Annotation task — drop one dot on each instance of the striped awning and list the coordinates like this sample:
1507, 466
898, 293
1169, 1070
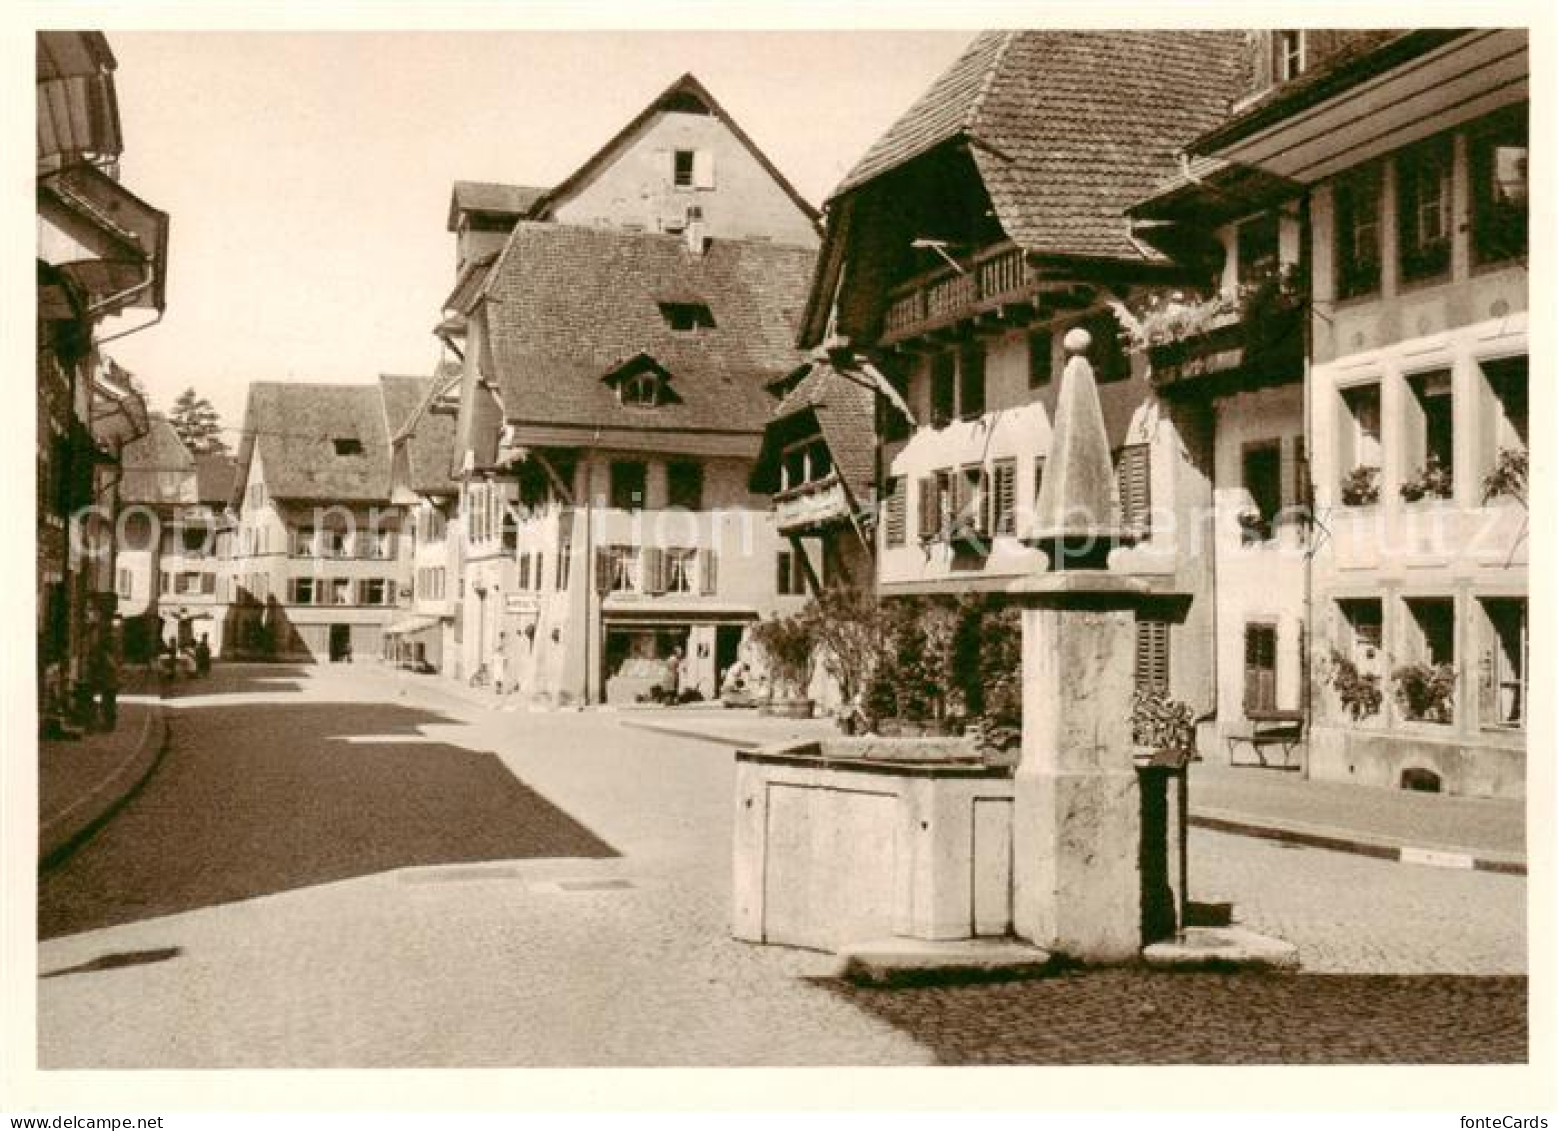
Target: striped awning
78, 113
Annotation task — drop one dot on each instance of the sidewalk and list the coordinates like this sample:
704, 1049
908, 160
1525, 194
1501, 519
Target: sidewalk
1422, 828
82, 782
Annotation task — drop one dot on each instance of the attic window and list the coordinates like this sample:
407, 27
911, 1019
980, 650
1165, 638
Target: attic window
683, 175
642, 390
687, 316
347, 446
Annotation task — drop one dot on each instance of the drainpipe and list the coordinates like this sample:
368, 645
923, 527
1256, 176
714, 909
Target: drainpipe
1306, 690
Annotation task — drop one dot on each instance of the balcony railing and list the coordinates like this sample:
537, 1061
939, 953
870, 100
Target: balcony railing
811, 505
996, 275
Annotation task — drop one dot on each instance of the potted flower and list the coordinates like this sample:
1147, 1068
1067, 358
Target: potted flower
788, 645
1360, 486
1426, 691
1508, 477
1432, 481
1358, 691
1161, 725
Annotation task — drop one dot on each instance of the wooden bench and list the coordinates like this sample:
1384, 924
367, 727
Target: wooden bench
1281, 729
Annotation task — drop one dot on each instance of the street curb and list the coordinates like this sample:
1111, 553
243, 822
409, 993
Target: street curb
1332, 840
79, 822
1339, 840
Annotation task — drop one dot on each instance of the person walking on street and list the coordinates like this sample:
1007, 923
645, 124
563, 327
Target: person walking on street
106, 677
203, 656
500, 664
674, 676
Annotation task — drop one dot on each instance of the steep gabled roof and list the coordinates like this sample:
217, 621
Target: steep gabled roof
843, 406
215, 477
158, 468
1068, 128
493, 199
427, 438
294, 429
468, 283
683, 90
571, 304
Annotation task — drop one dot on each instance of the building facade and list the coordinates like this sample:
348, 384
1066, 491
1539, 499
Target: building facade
615, 349
102, 252
965, 244
317, 566
1411, 150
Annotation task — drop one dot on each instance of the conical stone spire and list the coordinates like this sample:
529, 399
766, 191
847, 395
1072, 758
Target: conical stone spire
1075, 520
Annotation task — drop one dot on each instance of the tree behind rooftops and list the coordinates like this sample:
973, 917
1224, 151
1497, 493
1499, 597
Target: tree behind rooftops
197, 424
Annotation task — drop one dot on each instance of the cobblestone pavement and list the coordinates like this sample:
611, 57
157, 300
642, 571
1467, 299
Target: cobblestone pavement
474, 945
1127, 1017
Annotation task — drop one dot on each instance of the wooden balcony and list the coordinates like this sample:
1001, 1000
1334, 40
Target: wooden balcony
1235, 349
811, 506
996, 277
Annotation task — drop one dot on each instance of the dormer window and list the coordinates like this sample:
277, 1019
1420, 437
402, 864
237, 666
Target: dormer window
641, 382
642, 390
1290, 55
686, 317
347, 446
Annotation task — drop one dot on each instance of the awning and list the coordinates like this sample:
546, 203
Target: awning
408, 625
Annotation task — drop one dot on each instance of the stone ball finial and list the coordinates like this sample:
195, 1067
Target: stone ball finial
1077, 340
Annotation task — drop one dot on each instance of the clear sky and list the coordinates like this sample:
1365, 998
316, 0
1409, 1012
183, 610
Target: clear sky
307, 174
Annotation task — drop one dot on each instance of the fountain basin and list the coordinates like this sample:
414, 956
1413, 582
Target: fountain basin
852, 839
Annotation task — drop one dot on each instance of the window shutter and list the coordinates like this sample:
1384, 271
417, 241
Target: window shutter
986, 516
897, 488
1260, 668
708, 572
1005, 501
540, 573
1133, 474
603, 570
654, 569
703, 169
930, 510
208, 584
1152, 655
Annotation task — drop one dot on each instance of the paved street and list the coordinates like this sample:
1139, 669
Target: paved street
384, 874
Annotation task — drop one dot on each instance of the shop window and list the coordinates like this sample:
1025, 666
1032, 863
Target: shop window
1423, 209
629, 479
1429, 438
1041, 358
1152, 655
1500, 187
943, 389
971, 381
684, 484
1357, 221
1505, 661
1260, 669
1263, 481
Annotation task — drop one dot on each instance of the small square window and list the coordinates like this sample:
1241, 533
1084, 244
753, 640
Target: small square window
347, 446
687, 316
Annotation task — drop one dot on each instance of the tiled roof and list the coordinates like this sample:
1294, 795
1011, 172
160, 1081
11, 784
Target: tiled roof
157, 467
294, 427
570, 304
844, 406
429, 443
468, 283
485, 196
215, 474
1068, 128
1359, 54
